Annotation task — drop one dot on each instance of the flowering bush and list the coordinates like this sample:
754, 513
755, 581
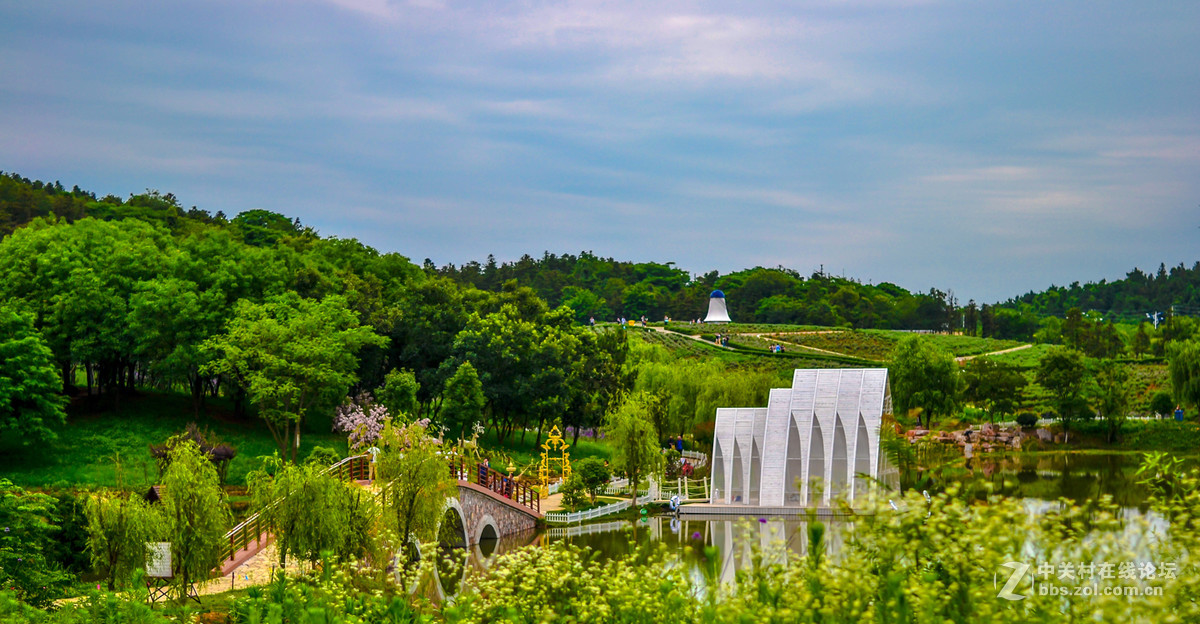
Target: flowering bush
363, 419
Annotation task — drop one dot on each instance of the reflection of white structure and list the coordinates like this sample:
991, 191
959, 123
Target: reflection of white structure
716, 308
807, 447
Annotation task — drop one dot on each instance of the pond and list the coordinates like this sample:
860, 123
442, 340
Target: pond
1076, 476
1040, 479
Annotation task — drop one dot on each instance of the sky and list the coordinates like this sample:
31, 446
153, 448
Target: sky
986, 148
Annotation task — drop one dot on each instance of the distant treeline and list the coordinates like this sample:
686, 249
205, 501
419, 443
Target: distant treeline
605, 288
1175, 290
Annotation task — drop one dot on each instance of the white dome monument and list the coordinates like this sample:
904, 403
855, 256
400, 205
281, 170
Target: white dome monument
717, 313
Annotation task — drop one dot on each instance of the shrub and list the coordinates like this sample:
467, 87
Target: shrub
1027, 419
28, 535
574, 493
323, 455
1162, 403
594, 475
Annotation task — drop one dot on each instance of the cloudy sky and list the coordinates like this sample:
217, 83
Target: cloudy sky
990, 148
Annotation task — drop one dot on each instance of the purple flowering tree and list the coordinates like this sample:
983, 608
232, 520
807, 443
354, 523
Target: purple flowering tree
363, 419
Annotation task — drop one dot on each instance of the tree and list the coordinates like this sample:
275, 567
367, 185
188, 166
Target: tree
195, 515
1111, 396
119, 526
601, 379
463, 401
170, 319
924, 378
1161, 403
293, 357
30, 400
28, 534
1183, 363
418, 482
399, 393
630, 430
971, 318
311, 511
1062, 372
363, 419
593, 474
994, 386
1141, 341
525, 364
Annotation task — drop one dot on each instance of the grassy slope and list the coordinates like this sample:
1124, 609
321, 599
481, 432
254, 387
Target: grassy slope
83, 454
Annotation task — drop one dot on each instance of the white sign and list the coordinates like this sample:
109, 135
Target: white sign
158, 559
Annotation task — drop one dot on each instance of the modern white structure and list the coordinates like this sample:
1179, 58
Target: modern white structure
808, 447
717, 313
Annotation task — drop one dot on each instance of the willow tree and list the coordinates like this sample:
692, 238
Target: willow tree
924, 378
119, 526
418, 482
195, 514
1184, 365
293, 357
630, 430
311, 511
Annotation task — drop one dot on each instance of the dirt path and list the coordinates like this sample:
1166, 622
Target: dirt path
971, 357
257, 570
696, 337
801, 346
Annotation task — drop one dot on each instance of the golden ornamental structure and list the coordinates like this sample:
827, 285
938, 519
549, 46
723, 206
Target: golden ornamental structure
554, 444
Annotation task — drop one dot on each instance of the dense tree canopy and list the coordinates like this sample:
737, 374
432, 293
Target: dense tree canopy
292, 356
30, 402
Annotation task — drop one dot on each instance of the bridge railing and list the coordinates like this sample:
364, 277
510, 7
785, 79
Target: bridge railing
685, 489
496, 481
252, 528
697, 458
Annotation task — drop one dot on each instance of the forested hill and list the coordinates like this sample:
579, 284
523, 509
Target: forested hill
591, 286
606, 288
1167, 290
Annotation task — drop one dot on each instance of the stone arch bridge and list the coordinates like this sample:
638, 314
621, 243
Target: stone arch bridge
489, 505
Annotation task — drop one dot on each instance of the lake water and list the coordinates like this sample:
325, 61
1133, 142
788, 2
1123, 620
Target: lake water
1041, 479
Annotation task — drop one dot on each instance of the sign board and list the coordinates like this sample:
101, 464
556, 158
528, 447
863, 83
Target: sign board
158, 559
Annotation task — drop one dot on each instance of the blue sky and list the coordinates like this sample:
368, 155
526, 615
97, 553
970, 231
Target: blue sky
989, 148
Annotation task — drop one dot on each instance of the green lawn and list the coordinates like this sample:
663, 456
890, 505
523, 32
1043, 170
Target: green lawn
84, 453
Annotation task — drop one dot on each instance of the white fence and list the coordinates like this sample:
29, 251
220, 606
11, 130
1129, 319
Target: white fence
561, 517
587, 529
617, 486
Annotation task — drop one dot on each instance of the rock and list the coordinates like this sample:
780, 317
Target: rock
1044, 435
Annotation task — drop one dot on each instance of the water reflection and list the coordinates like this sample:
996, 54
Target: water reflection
1040, 479
736, 539
1077, 477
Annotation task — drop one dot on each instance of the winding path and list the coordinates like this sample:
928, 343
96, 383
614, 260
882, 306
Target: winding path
971, 357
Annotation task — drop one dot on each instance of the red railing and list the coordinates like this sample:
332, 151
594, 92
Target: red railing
251, 529
496, 481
